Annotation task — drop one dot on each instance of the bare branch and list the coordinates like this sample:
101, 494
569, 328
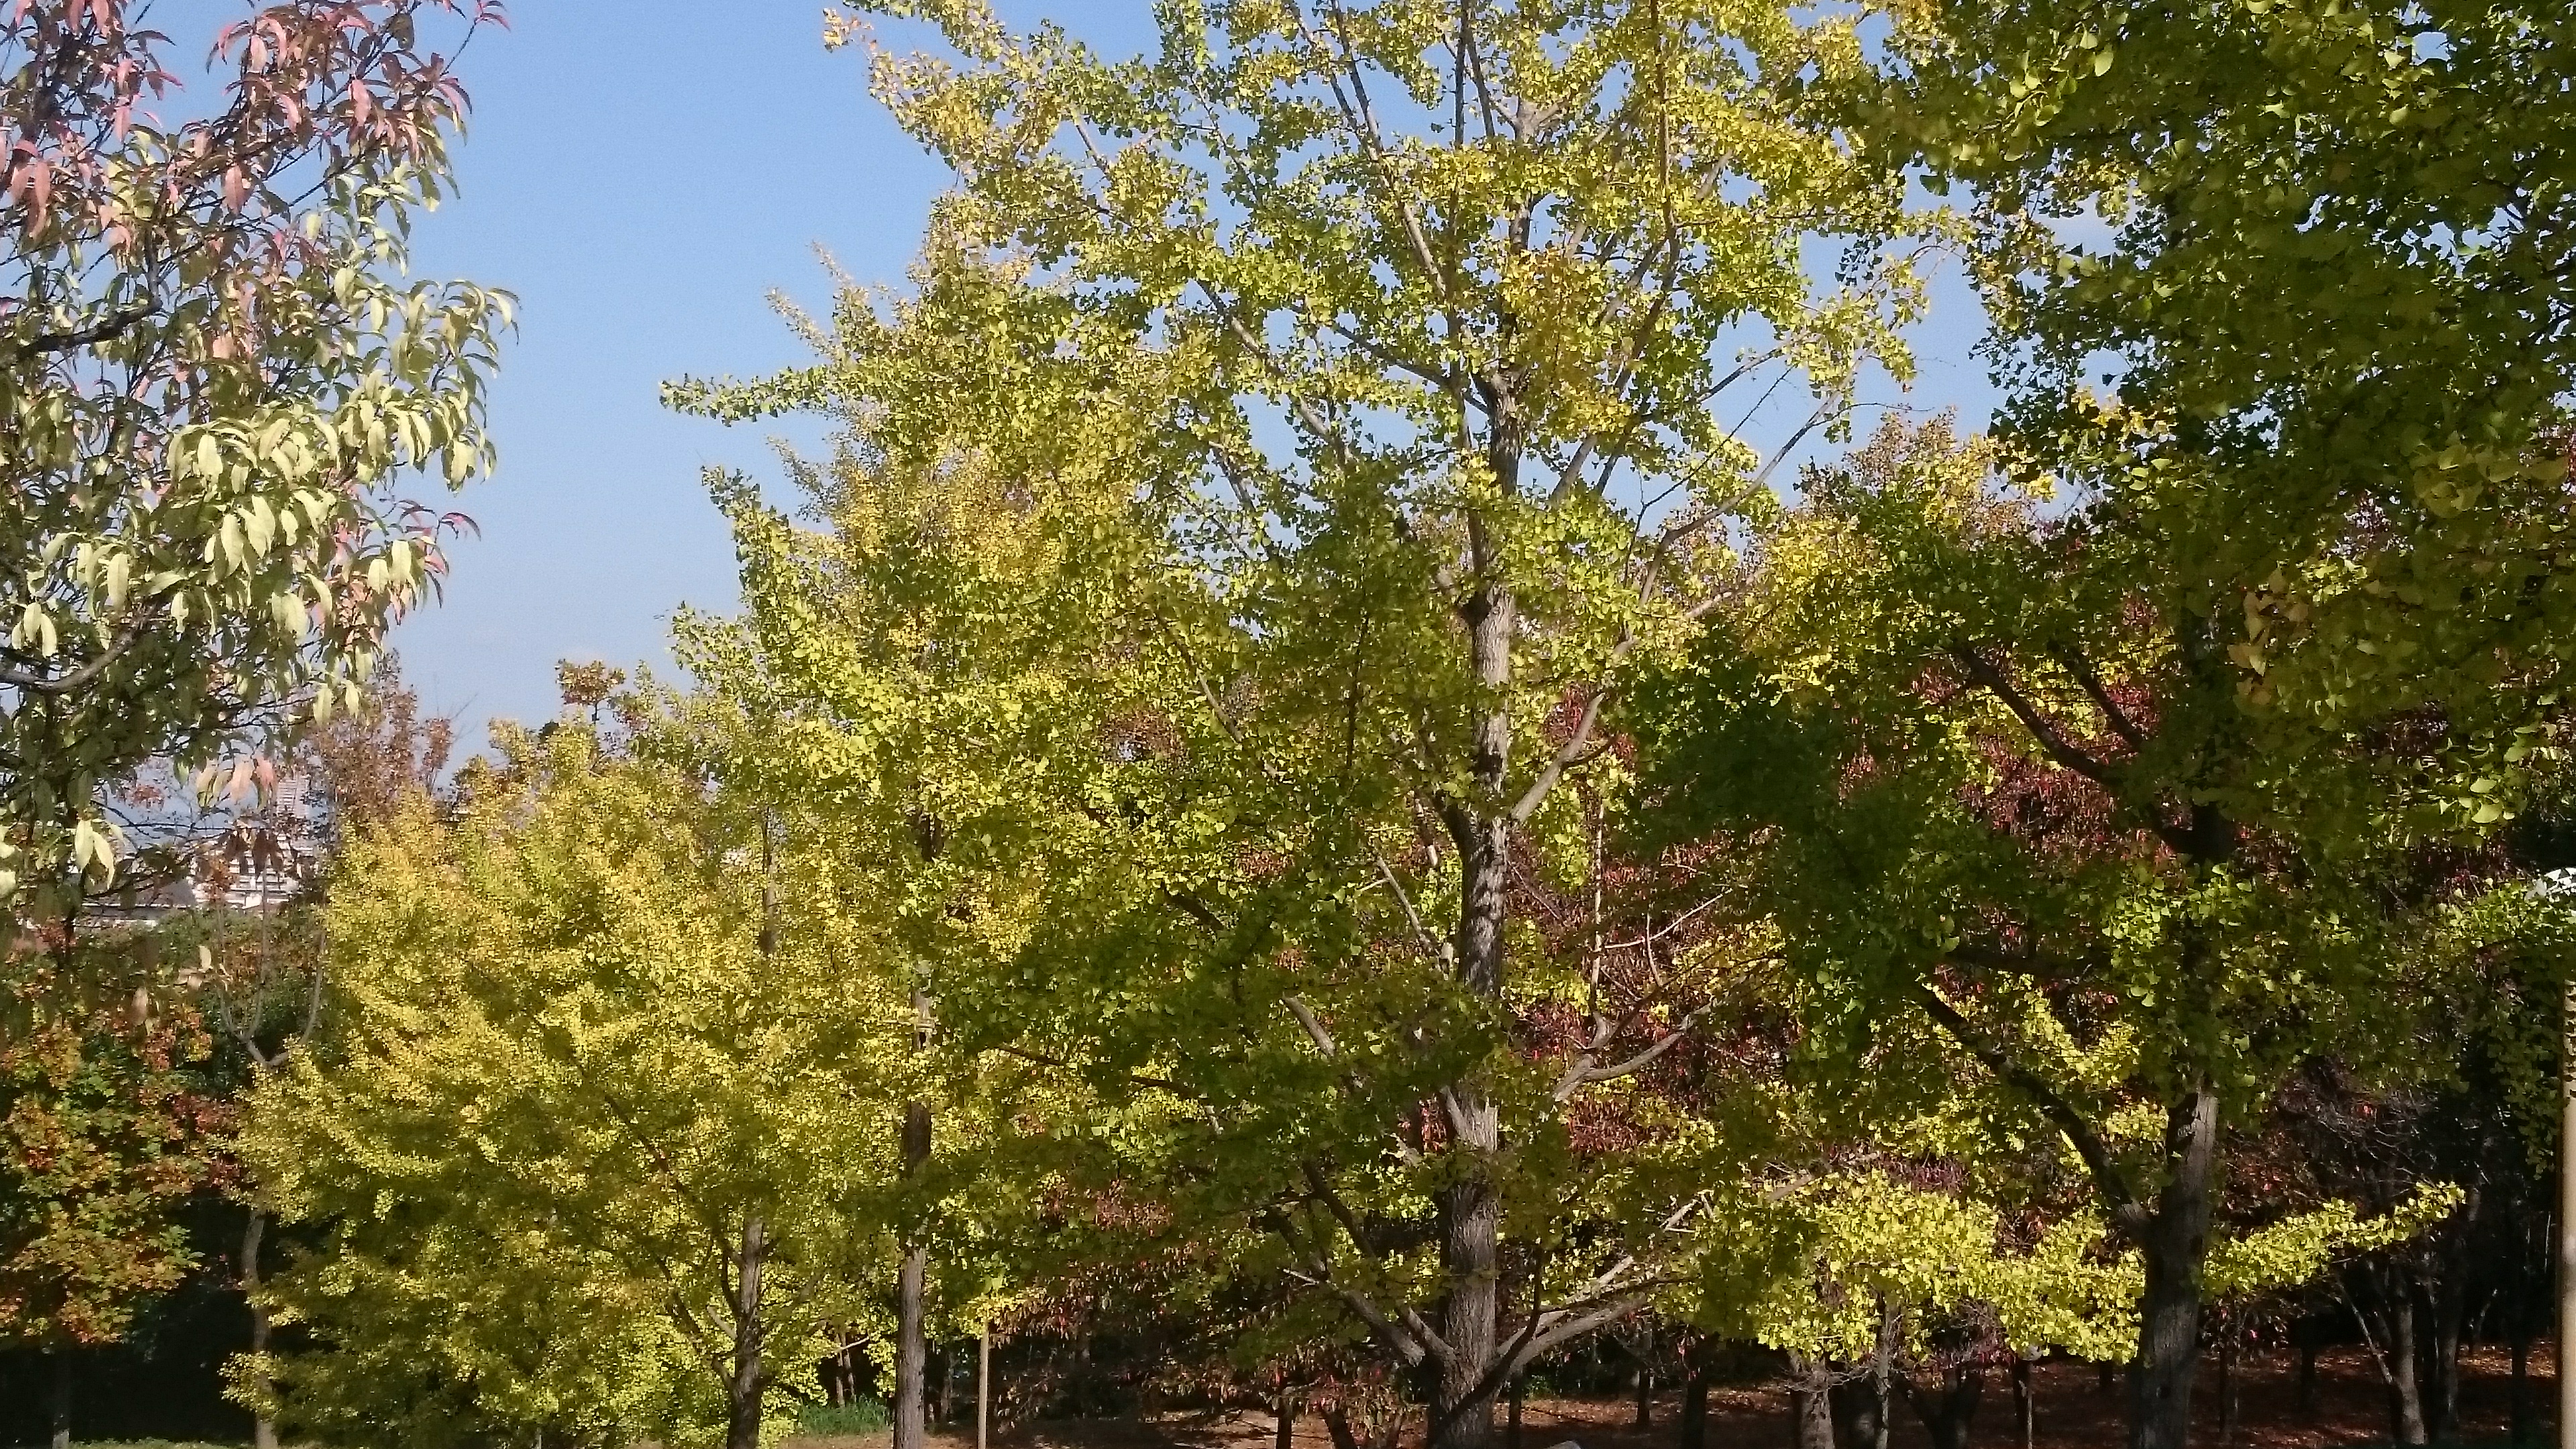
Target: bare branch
1583, 1072
1579, 749
1316, 1031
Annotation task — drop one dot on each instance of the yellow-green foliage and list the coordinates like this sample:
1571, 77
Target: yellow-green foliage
1808, 1267
564, 1072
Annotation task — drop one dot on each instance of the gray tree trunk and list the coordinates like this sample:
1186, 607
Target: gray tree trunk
263, 1430
749, 1384
2173, 1244
911, 1344
1811, 1409
58, 1409
2405, 1388
1470, 1206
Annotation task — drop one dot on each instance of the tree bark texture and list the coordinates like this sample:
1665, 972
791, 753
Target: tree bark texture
749, 1383
1699, 1366
911, 1343
2173, 1244
1471, 1212
1464, 1382
2405, 1389
1811, 1410
58, 1407
2447, 1299
263, 1430
1949, 1410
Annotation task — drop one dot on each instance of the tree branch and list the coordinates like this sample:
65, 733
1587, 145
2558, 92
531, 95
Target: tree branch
2120, 723
58, 685
1987, 677
1400, 1340
2126, 1208
107, 328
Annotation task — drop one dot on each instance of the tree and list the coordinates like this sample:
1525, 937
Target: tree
265, 977
2007, 774
2334, 300
1381, 334
108, 1123
661, 1192
213, 379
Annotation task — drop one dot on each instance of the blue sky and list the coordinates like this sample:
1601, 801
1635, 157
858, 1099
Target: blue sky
642, 175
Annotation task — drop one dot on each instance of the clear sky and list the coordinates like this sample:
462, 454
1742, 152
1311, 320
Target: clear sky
642, 174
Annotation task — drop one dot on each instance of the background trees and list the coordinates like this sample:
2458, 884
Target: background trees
1299, 764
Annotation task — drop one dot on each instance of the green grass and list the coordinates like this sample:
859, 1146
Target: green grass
867, 1416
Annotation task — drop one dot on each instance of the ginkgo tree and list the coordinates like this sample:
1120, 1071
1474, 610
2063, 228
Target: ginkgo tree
215, 379
2282, 297
2005, 778
1403, 349
591, 1150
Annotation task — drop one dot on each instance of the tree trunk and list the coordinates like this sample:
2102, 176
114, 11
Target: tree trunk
1646, 1379
749, 1384
263, 1430
1698, 1366
1470, 1205
1859, 1412
2518, 1407
984, 1393
1811, 1409
2025, 1413
1283, 1432
911, 1345
58, 1410
2405, 1391
1883, 1375
2448, 1301
1337, 1422
1512, 1430
2173, 1243
1462, 1403
1948, 1413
